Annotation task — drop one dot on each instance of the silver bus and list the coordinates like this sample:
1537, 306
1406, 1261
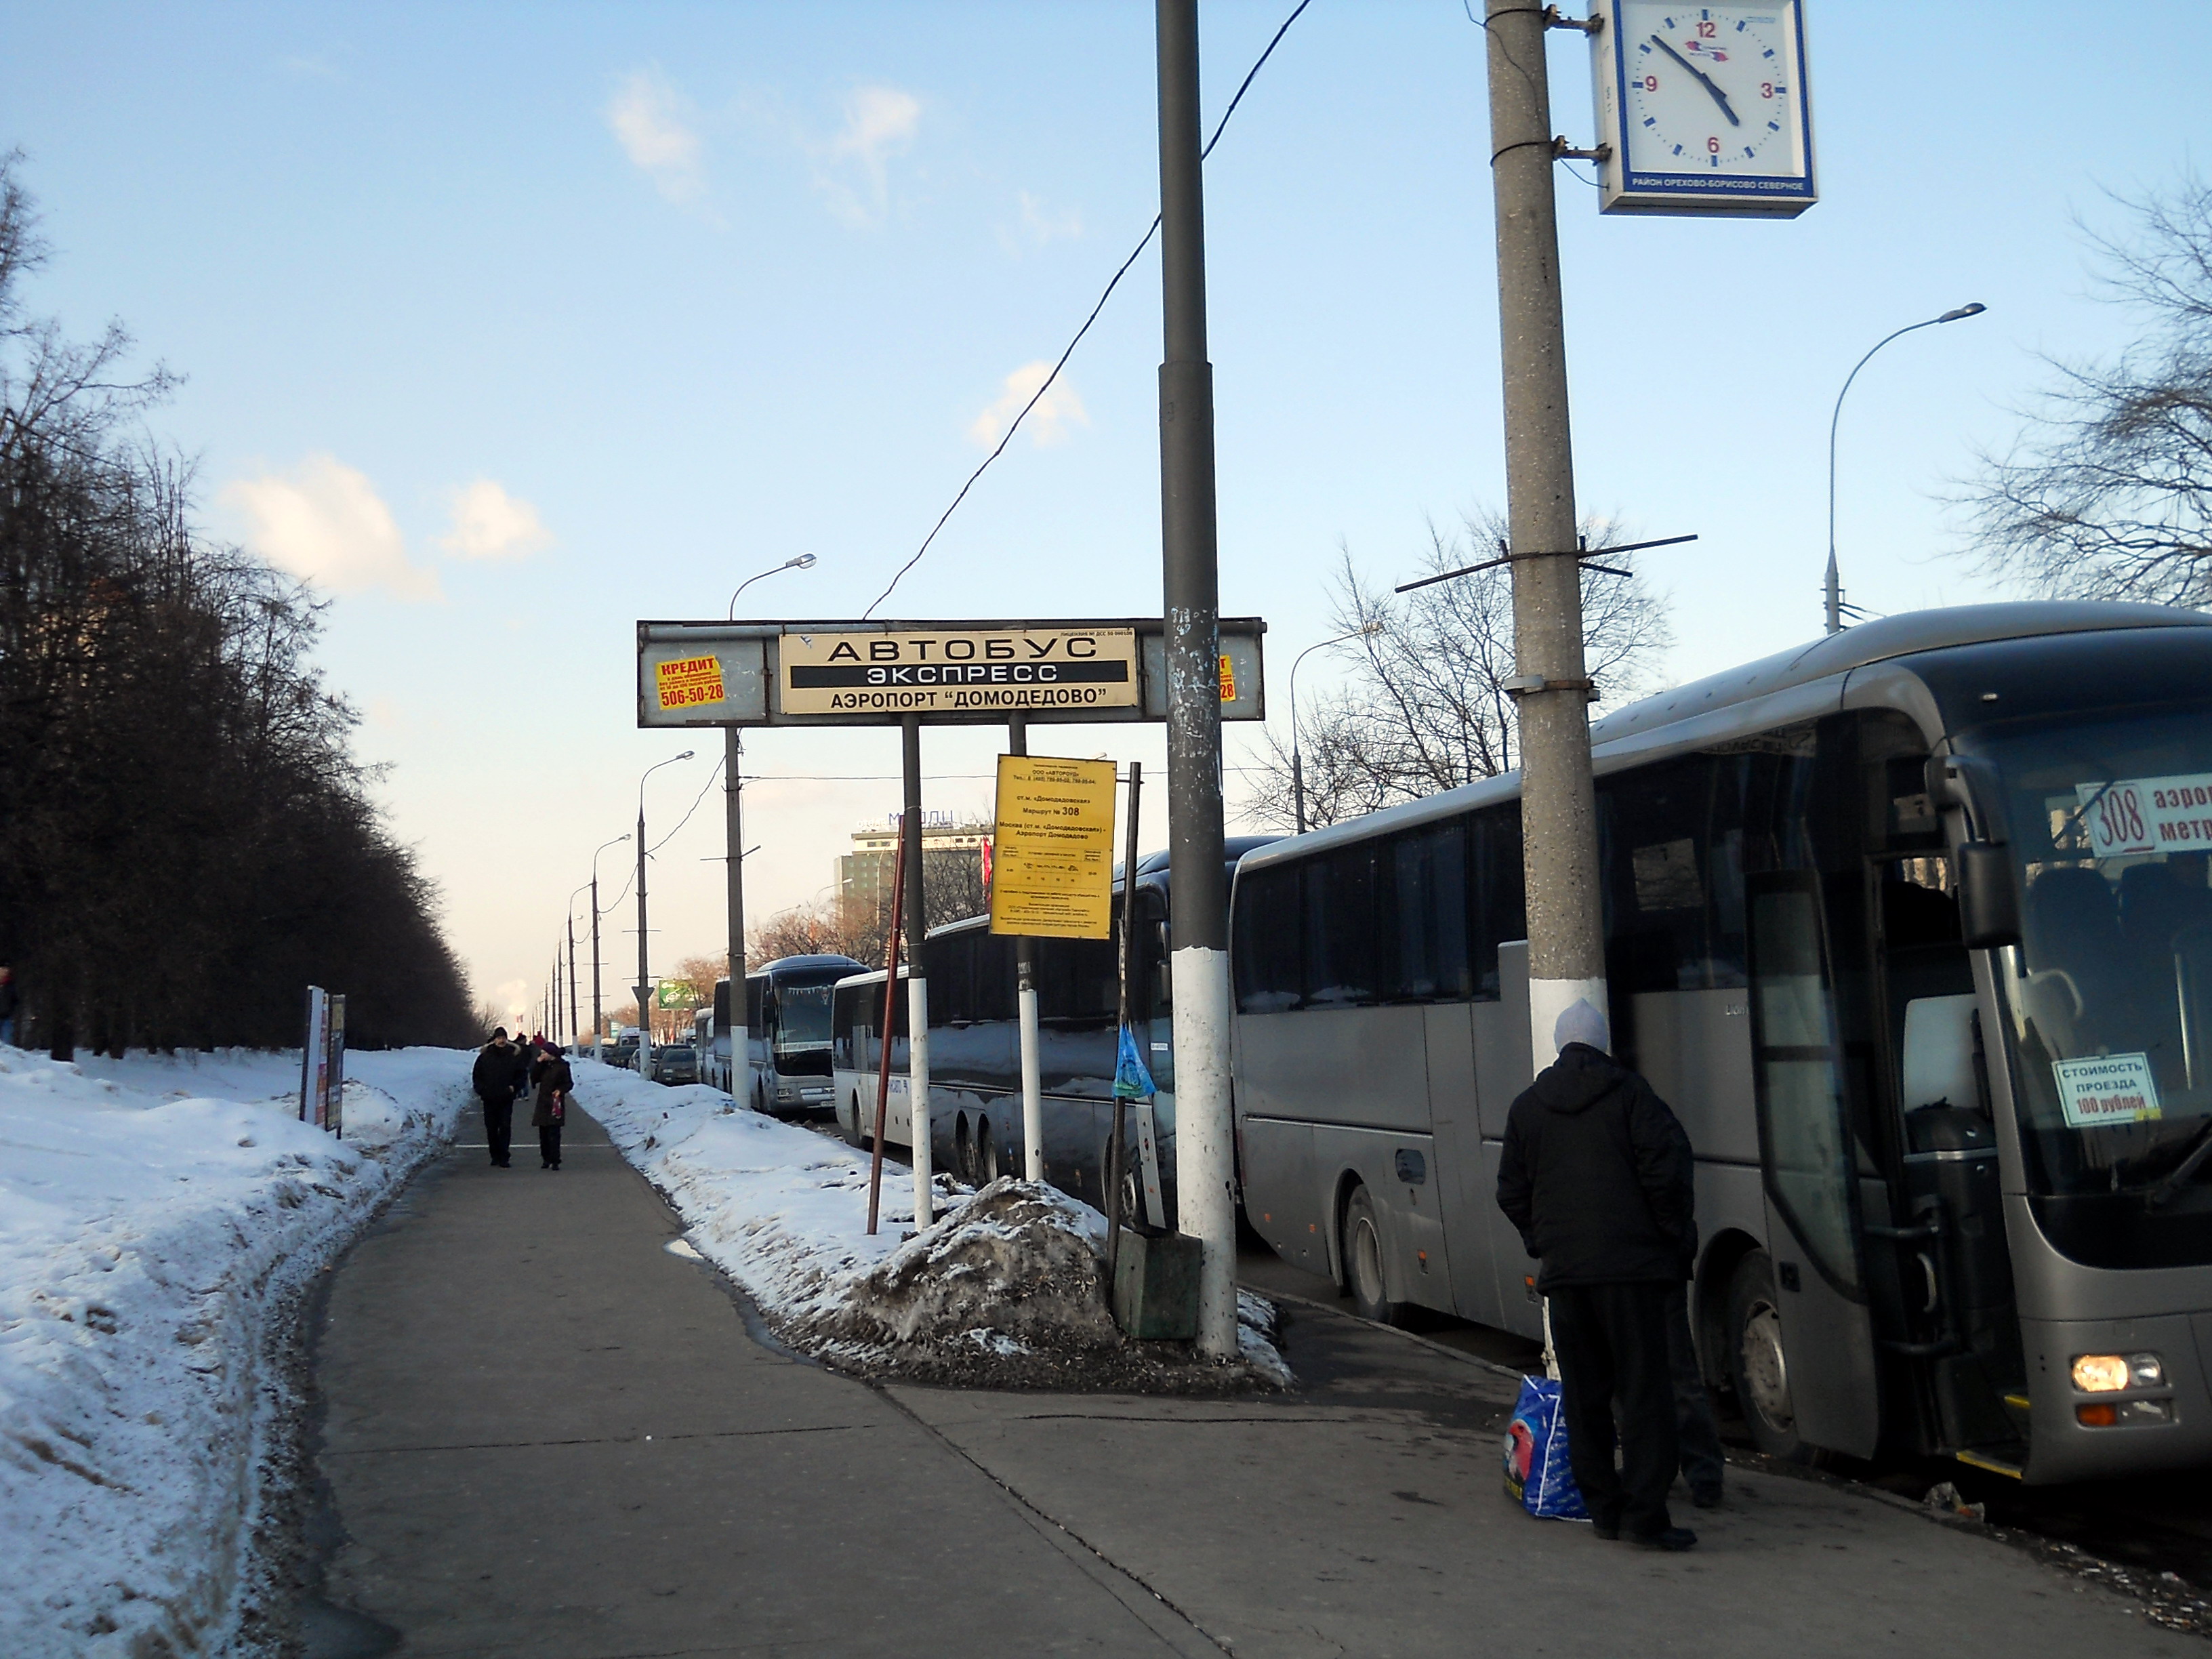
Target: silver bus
786, 1068
974, 1051
1913, 927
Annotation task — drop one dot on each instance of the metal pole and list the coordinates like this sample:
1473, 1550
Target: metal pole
599, 1019
884, 1043
733, 756
1559, 815
1018, 743
1205, 1163
1116, 1141
575, 1025
644, 1006
917, 981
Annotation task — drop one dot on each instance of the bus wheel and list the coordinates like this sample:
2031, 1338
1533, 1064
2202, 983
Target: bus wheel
1758, 1365
1363, 1260
987, 1154
858, 1134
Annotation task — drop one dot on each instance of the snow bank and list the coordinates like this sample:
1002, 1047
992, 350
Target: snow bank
1006, 1289
157, 1217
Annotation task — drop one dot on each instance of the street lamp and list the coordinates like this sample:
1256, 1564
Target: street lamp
644, 987
598, 1025
1835, 592
804, 562
733, 754
1366, 630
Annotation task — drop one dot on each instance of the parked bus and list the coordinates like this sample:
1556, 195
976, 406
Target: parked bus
1913, 929
787, 1033
711, 1036
974, 1049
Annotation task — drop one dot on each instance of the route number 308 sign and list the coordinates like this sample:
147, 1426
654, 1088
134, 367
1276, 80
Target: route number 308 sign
2147, 815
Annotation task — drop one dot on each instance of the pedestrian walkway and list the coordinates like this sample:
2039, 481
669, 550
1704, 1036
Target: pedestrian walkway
548, 1435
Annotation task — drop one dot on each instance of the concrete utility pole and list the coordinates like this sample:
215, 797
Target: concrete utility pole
1558, 810
1190, 585
644, 976
917, 981
1018, 743
733, 753
599, 1018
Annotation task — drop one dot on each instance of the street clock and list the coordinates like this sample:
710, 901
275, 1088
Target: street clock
1703, 109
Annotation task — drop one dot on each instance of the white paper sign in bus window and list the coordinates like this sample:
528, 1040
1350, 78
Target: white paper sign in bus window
2107, 1088
2147, 815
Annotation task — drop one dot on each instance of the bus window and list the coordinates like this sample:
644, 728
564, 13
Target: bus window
1339, 894
1269, 950
1500, 903
1421, 942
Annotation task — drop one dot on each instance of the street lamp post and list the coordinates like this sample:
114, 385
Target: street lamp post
1835, 592
644, 984
1366, 630
733, 754
575, 1025
598, 1025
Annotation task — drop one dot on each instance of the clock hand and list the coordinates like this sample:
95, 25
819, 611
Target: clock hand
1703, 80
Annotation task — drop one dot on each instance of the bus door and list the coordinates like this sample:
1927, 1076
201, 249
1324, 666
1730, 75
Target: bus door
1808, 1169
1954, 1269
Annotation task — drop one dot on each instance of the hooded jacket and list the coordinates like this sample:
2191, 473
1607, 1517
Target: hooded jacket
1597, 1175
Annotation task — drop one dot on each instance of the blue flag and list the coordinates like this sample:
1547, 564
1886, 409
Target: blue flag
1131, 1080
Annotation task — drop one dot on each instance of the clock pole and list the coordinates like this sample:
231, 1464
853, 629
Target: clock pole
1558, 813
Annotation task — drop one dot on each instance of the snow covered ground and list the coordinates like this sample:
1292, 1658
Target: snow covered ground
1009, 1287
157, 1217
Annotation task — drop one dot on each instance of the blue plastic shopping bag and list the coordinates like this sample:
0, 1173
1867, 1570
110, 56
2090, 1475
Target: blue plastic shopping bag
1133, 1079
1537, 1475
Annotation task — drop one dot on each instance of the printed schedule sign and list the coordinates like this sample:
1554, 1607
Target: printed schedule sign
958, 671
1052, 868
2147, 815
2107, 1088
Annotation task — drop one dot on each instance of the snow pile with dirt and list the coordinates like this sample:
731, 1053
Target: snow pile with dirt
159, 1220
1006, 1289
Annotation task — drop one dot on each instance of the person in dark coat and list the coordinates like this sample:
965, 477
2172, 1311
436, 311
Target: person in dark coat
519, 1083
493, 1079
556, 1085
1596, 1174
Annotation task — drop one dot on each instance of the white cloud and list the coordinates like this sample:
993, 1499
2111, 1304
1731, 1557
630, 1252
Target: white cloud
854, 167
651, 120
1047, 424
324, 520
1040, 225
490, 524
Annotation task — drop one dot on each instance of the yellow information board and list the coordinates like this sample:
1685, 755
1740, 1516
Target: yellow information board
1052, 869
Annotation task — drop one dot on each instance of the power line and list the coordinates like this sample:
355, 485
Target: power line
1112, 283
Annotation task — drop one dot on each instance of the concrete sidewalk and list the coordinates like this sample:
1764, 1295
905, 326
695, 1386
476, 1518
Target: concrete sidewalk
547, 1435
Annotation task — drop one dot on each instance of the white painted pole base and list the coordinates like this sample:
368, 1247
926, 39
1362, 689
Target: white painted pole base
1032, 1091
1206, 1162
917, 1072
1550, 998
739, 1066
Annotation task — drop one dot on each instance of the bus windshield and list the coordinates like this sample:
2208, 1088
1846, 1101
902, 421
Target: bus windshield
802, 1011
2109, 993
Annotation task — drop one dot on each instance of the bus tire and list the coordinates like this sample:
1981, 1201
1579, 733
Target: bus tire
1363, 1276
1759, 1369
858, 1134
986, 1155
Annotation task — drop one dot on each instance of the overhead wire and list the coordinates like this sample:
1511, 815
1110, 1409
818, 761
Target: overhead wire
1112, 283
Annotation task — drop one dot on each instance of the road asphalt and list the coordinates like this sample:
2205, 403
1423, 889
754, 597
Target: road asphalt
544, 1433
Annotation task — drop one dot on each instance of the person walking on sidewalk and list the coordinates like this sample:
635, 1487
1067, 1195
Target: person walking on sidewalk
493, 1079
1596, 1175
555, 1084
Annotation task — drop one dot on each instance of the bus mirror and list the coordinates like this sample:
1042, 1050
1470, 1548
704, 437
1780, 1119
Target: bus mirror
1988, 902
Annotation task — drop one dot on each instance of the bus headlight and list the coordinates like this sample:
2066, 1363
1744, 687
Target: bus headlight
2109, 1373
2101, 1373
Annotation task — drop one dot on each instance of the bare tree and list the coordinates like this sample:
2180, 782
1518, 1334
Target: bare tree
2107, 492
1425, 707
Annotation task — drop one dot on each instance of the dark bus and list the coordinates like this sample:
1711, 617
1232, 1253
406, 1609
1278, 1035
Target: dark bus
974, 1050
1912, 926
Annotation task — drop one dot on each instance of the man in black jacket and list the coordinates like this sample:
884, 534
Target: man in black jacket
1597, 1175
493, 1079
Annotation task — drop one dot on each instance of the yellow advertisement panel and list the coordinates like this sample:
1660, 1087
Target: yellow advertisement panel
686, 681
958, 671
1052, 869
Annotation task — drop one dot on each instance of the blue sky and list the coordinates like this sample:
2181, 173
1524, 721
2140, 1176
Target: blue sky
514, 324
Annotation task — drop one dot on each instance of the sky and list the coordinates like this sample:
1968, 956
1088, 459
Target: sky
510, 325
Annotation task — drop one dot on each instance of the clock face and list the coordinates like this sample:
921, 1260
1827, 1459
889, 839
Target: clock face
1711, 98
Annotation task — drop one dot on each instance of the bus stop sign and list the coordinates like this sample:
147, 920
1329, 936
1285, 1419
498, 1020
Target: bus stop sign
876, 673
